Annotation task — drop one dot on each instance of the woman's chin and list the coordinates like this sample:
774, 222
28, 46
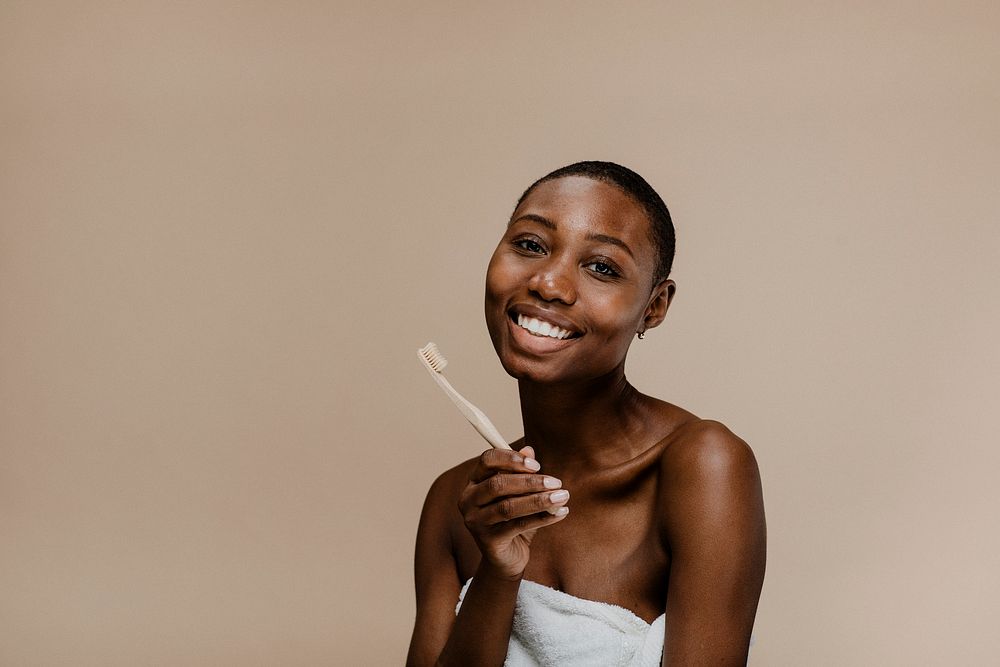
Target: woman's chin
537, 373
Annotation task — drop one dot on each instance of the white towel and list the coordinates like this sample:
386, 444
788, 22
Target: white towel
555, 628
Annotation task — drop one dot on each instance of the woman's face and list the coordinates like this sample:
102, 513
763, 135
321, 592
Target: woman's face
571, 282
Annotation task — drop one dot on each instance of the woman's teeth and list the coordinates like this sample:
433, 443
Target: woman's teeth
542, 328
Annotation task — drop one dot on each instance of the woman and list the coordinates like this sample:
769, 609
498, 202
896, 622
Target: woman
611, 497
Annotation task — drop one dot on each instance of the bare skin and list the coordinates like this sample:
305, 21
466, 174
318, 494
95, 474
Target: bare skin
664, 512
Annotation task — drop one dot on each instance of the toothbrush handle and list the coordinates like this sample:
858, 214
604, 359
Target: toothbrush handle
479, 421
487, 429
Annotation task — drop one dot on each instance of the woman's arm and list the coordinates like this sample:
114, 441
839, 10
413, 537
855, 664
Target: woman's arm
712, 509
436, 576
502, 503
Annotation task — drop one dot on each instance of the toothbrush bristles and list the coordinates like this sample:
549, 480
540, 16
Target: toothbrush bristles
434, 357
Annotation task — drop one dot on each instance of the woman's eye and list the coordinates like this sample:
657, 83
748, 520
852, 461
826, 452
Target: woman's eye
530, 245
602, 268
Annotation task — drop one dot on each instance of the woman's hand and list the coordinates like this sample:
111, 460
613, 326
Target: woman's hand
505, 503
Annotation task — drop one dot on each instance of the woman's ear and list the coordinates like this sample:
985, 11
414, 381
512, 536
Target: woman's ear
659, 301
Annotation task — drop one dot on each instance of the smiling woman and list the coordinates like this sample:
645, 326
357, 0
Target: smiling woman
662, 559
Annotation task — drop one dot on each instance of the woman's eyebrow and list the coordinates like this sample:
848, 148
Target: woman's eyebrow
544, 222
603, 238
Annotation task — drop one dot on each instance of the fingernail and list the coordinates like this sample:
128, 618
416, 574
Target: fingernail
562, 511
559, 496
552, 483
532, 464
517, 458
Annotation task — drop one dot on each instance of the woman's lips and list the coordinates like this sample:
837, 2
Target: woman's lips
540, 327
538, 343
520, 312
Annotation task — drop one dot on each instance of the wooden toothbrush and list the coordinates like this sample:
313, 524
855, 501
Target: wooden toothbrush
435, 362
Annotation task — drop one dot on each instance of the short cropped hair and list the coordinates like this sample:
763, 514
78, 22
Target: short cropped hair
636, 187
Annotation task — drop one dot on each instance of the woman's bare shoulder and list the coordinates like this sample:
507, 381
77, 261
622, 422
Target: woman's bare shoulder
705, 445
707, 470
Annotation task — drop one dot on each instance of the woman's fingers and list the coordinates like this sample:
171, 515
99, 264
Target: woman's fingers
493, 461
510, 484
513, 508
505, 501
505, 495
510, 529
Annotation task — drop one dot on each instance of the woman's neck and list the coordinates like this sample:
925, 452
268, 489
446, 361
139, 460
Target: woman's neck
582, 425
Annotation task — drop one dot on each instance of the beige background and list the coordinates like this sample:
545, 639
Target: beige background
225, 228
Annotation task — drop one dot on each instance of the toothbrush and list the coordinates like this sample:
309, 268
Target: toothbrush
435, 362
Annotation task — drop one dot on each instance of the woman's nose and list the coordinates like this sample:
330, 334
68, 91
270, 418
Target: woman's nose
554, 282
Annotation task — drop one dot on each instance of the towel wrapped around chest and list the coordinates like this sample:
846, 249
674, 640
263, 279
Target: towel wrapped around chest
555, 628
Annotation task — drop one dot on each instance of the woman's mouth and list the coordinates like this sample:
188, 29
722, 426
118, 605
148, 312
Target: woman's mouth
534, 334
540, 327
